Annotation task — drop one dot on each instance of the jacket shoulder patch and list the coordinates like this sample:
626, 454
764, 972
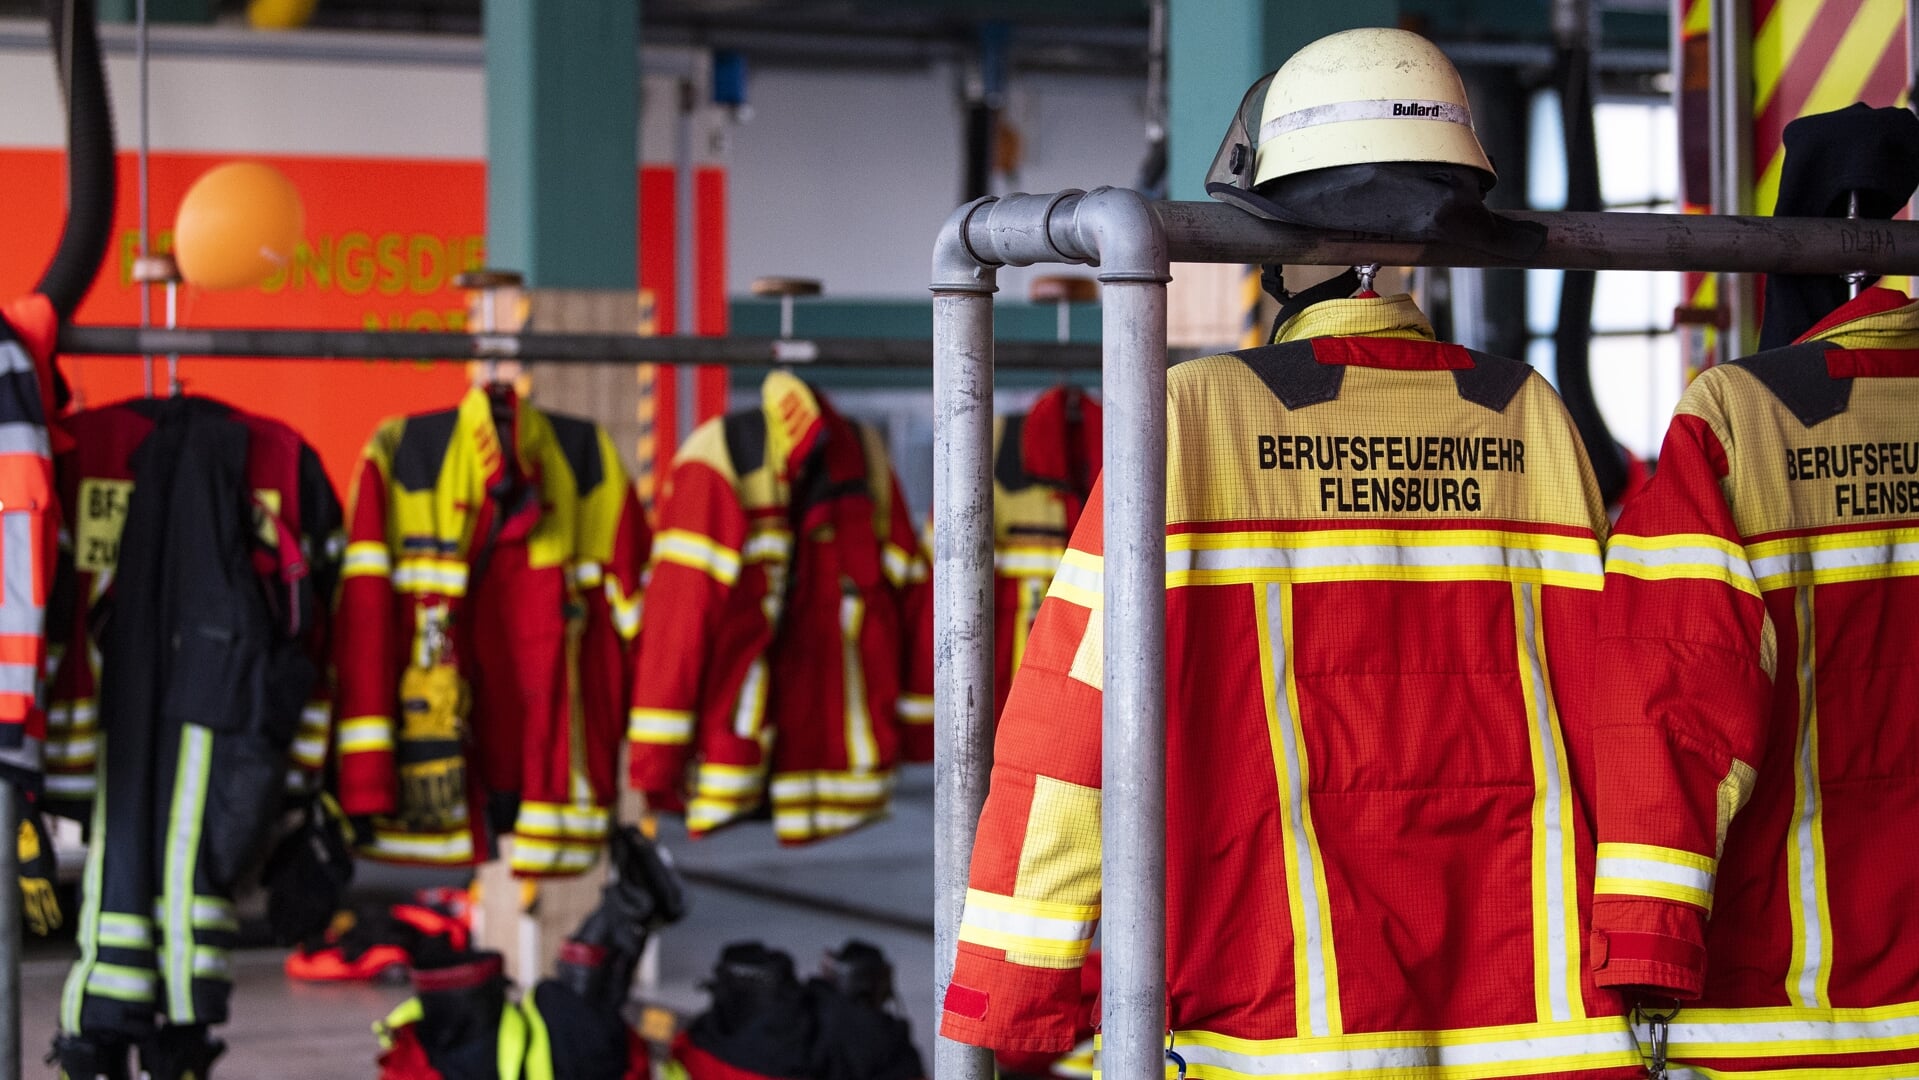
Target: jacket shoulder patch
422, 449
1292, 374
579, 442
1492, 381
745, 439
1797, 376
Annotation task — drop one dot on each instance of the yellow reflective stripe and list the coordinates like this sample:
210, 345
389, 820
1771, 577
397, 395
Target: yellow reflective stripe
1460, 1054
406, 1012
1810, 973
364, 734
560, 821
767, 545
1648, 870
122, 983
1028, 928
1027, 561
834, 786
211, 963
587, 573
704, 814
696, 552
625, 609
536, 855
366, 558
450, 847
1382, 555
510, 1048
123, 931
213, 913
897, 563
1080, 579
749, 711
1315, 969
1783, 1031
915, 708
1556, 938
539, 1043
666, 727
1030, 592
862, 748
819, 821
430, 574
1800, 561
1681, 556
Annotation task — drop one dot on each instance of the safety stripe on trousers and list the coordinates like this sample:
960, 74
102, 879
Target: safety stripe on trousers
73, 995
1556, 940
188, 811
1781, 1032
1460, 1054
1315, 967
1809, 975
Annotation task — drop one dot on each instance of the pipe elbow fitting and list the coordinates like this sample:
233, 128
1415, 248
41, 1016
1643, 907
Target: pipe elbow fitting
957, 268
1124, 233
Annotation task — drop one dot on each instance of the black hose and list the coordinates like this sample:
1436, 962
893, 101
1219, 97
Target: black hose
91, 170
1572, 340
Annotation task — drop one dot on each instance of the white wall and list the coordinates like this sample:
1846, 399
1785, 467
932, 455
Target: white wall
840, 175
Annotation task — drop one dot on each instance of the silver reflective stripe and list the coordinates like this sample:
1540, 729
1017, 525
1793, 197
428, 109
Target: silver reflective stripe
213, 913
18, 678
1551, 788
13, 358
862, 753
18, 612
1330, 556
1301, 872
1340, 112
1804, 840
20, 437
182, 855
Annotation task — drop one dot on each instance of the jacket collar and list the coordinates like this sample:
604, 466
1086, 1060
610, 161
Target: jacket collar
1365, 315
1878, 318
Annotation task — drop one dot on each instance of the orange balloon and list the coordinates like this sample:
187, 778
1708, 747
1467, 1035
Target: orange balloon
237, 225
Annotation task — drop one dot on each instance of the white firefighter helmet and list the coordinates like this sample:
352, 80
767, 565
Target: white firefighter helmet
1363, 96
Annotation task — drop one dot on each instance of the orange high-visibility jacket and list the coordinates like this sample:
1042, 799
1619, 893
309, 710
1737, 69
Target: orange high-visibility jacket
1382, 578
29, 524
1762, 630
785, 582
1044, 463
541, 638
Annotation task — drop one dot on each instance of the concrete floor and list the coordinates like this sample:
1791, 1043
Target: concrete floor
286, 1029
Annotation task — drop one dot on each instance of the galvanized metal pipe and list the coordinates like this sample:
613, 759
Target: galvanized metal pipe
962, 601
1133, 769
1732, 165
9, 930
550, 347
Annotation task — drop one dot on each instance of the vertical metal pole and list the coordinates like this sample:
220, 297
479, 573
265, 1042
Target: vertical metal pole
1732, 159
9, 932
146, 241
963, 620
1133, 773
685, 309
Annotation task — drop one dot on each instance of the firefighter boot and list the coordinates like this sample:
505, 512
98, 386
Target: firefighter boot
180, 1052
862, 973
462, 1002
78, 1057
644, 895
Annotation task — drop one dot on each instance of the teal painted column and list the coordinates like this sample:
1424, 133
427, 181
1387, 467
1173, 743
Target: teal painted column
1217, 48
562, 141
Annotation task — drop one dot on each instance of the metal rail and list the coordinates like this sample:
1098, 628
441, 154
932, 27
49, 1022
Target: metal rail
547, 347
1131, 242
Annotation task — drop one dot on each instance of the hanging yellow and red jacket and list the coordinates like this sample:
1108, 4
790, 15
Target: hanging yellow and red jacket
1382, 573
1762, 618
29, 524
486, 613
785, 581
1044, 463
96, 484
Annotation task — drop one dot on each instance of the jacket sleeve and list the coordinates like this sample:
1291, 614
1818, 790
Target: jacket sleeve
1034, 894
695, 567
1680, 727
364, 651
323, 540
909, 573
29, 520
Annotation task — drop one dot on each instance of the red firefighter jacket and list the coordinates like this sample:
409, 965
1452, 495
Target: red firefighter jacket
1043, 468
518, 573
289, 486
29, 524
1382, 572
1762, 619
785, 579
